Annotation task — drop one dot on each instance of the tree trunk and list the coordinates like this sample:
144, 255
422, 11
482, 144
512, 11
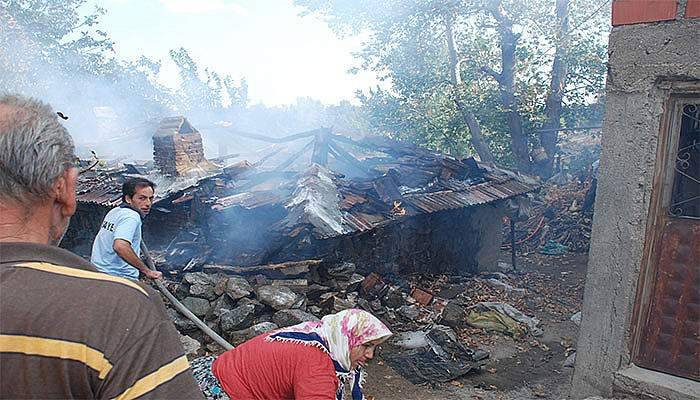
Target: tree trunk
506, 86
482, 149
553, 106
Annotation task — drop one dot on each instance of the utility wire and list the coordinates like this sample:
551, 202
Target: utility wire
588, 18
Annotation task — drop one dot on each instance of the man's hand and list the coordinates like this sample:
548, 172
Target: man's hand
124, 250
153, 274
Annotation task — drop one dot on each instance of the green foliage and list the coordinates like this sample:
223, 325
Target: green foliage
407, 47
35, 33
55, 50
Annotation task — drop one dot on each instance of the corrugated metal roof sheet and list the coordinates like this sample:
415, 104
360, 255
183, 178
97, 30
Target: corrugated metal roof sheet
248, 200
470, 196
107, 196
357, 222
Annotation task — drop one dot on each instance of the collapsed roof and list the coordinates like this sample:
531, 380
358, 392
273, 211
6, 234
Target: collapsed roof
398, 180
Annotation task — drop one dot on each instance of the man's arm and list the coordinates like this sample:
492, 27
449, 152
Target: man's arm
124, 250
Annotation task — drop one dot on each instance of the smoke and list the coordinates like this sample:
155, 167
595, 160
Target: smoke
114, 106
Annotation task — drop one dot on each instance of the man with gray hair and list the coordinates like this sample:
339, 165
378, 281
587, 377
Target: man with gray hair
67, 330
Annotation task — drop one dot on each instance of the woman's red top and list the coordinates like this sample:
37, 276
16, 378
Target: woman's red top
271, 370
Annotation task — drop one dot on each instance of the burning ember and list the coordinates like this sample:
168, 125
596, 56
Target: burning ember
396, 209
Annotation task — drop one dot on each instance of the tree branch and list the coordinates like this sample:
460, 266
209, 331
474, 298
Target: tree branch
490, 72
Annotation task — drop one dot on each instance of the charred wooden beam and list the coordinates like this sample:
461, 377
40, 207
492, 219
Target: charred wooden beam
320, 154
286, 163
270, 139
353, 142
287, 270
342, 155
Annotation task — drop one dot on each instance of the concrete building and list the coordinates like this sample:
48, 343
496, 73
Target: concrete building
640, 335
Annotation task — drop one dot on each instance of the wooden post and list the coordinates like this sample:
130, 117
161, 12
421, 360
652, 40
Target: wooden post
320, 154
512, 243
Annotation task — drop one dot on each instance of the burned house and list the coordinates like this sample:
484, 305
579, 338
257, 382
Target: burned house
387, 206
641, 314
417, 211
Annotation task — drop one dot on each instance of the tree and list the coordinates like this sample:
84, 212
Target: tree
495, 61
39, 37
456, 80
554, 103
57, 51
508, 43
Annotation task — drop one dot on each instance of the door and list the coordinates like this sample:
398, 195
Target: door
669, 321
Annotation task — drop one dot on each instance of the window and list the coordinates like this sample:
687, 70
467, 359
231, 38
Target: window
685, 197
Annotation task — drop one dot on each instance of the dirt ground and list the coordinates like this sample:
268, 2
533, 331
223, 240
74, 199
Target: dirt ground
522, 368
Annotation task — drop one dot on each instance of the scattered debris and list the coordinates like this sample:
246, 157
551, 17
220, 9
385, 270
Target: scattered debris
557, 223
442, 359
502, 317
576, 318
552, 248
570, 361
245, 306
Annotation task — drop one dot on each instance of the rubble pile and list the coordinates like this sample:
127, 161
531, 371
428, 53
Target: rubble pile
446, 316
558, 222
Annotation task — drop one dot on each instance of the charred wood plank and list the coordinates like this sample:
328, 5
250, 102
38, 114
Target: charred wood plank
320, 153
345, 139
294, 157
287, 270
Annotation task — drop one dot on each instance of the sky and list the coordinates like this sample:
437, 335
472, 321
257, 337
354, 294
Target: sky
281, 54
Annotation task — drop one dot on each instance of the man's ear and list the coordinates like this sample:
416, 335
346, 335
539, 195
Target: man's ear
64, 190
128, 199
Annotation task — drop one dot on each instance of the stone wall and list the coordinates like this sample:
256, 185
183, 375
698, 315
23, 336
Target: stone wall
459, 241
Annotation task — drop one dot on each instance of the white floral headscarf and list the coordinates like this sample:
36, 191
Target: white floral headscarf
337, 334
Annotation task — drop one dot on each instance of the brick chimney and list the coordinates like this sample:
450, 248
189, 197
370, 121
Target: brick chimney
177, 146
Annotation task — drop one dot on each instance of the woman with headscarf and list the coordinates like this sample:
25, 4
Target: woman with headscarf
312, 360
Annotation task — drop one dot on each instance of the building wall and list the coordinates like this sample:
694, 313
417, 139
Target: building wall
460, 241
644, 58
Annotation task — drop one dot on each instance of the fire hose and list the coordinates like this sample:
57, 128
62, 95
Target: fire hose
181, 308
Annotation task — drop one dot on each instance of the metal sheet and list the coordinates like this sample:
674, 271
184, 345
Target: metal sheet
471, 195
248, 200
670, 340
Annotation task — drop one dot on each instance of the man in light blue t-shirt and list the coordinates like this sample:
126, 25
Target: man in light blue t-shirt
117, 246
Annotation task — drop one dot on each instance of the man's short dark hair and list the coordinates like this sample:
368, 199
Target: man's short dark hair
130, 185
